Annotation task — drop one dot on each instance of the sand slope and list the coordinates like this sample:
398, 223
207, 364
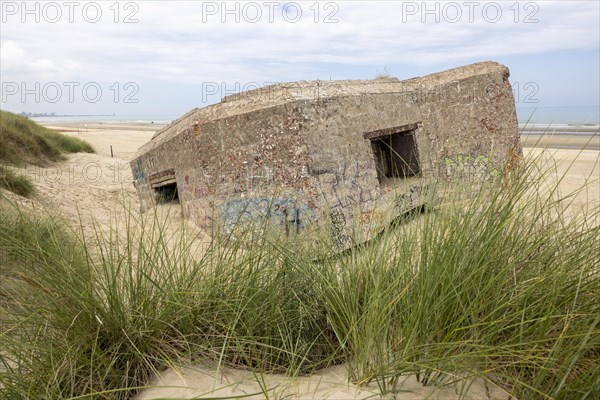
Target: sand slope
99, 188
330, 383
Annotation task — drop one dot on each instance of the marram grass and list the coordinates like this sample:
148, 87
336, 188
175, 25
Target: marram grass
23, 142
504, 287
17, 183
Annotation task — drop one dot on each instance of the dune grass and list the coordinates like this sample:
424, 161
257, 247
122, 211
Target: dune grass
24, 142
504, 287
12, 181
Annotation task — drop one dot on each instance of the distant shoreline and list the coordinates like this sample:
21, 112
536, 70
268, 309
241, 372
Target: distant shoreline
101, 120
67, 115
575, 141
571, 138
559, 129
90, 127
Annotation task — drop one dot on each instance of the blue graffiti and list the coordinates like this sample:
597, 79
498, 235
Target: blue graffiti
138, 171
287, 213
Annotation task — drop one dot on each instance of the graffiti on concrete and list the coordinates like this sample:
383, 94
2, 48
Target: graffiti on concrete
287, 213
407, 201
467, 167
138, 171
338, 227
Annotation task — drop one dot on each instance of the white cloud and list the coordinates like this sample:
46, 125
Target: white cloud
171, 40
17, 65
175, 42
11, 55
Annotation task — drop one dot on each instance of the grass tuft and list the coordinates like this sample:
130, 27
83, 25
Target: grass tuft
500, 285
15, 183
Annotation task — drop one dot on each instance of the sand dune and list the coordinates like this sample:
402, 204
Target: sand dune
330, 383
98, 187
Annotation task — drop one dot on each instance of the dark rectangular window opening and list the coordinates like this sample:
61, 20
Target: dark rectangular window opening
166, 193
396, 155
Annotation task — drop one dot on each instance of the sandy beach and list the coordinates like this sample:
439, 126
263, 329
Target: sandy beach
99, 187
562, 141
125, 138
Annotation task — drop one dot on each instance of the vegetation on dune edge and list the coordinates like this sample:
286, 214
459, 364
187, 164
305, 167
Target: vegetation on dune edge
504, 288
12, 181
24, 142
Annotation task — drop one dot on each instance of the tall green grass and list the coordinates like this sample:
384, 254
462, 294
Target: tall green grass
506, 287
24, 142
502, 285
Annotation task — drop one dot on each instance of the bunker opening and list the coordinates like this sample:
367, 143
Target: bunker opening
166, 193
395, 153
164, 185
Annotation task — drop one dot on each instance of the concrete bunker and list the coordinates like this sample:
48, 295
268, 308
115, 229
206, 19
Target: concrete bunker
353, 154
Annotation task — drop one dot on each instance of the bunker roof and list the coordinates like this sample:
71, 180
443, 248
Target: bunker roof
282, 93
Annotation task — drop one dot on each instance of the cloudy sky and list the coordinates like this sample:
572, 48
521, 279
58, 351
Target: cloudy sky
160, 59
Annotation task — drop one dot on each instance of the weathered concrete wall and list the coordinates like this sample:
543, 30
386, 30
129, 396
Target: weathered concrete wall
342, 164
247, 161
302, 154
470, 118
